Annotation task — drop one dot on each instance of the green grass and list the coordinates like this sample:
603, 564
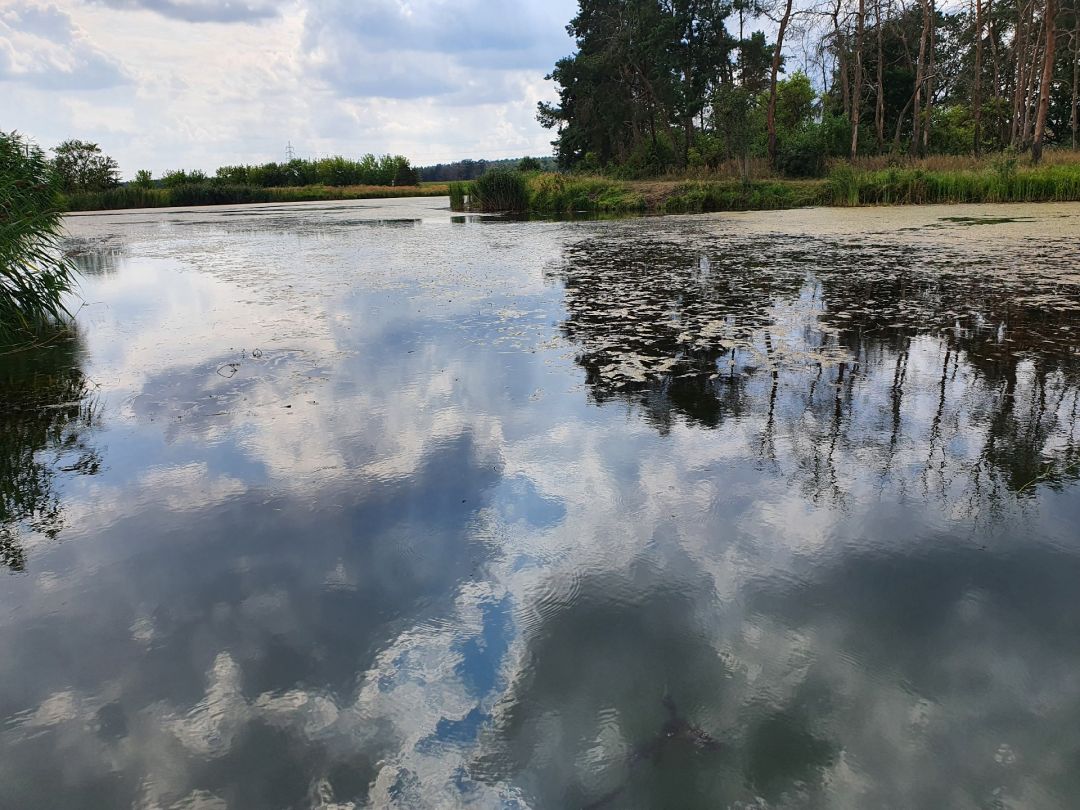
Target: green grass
215, 194
1000, 180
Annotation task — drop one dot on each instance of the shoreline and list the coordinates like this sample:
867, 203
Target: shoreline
556, 195
127, 198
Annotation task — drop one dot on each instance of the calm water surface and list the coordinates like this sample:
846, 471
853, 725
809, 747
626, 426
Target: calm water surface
369, 505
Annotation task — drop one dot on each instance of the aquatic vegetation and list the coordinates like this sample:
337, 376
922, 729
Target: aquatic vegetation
458, 193
845, 186
35, 276
988, 184
499, 190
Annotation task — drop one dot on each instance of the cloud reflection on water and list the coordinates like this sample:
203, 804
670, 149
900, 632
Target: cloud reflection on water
423, 550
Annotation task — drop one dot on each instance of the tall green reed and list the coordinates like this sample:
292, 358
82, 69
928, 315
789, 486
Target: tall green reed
35, 275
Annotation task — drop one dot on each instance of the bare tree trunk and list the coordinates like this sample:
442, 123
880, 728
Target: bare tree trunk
777, 56
900, 123
879, 105
1019, 52
1076, 73
992, 33
976, 91
1050, 17
920, 78
1031, 102
856, 106
841, 58
931, 64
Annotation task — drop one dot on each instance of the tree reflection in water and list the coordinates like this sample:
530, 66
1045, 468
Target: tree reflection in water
928, 371
48, 411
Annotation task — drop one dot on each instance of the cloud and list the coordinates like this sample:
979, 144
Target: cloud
431, 48
159, 88
200, 11
41, 46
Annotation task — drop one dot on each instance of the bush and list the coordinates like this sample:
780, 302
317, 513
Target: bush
35, 276
500, 190
802, 154
650, 158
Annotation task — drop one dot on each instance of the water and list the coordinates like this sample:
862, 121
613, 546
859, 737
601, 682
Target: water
368, 505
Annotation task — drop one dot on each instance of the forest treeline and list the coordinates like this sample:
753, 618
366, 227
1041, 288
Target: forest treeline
81, 166
88, 179
472, 169
663, 85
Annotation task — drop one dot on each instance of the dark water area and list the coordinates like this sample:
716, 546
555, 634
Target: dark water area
365, 505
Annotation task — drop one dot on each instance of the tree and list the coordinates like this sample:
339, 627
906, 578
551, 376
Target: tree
82, 166
529, 164
856, 101
1050, 24
770, 117
143, 179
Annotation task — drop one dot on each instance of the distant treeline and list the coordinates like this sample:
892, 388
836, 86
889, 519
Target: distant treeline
472, 169
370, 170
80, 167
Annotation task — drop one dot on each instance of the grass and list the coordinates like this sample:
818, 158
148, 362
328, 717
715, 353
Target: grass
214, 194
869, 181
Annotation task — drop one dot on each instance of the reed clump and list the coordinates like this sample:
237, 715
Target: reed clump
35, 275
500, 190
459, 192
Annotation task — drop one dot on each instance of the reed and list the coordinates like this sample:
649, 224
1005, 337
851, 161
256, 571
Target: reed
35, 275
999, 180
502, 190
458, 194
1004, 182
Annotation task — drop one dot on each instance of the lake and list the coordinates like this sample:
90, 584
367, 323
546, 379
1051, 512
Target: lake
371, 504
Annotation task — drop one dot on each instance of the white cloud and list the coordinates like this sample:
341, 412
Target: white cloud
41, 46
165, 84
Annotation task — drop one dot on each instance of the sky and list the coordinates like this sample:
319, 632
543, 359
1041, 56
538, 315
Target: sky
195, 84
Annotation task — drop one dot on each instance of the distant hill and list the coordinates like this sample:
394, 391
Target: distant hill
471, 169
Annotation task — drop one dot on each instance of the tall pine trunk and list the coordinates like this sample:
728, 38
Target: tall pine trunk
879, 104
1050, 23
920, 79
1075, 120
770, 120
856, 101
976, 91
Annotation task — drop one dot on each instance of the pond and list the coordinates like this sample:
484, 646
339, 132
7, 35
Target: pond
366, 504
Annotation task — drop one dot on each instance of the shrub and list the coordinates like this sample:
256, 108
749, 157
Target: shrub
35, 276
801, 154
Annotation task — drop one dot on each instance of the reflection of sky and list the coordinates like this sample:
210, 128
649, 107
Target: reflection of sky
362, 536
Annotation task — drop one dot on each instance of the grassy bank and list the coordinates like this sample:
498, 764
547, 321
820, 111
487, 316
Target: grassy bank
993, 180
214, 194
